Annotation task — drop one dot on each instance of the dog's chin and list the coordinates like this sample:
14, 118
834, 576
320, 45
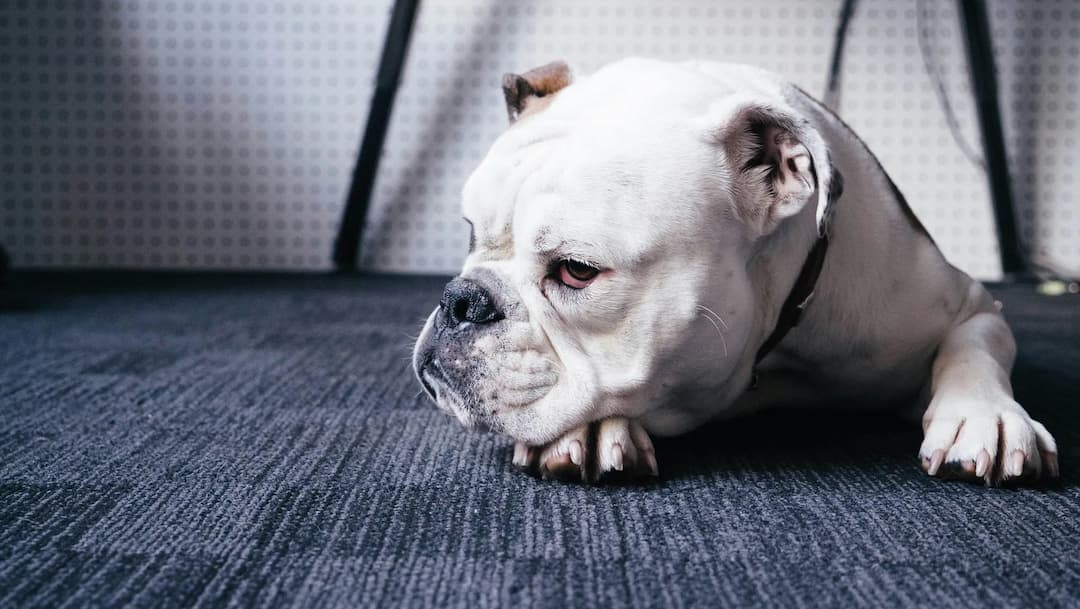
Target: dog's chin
519, 421
449, 400
503, 403
470, 421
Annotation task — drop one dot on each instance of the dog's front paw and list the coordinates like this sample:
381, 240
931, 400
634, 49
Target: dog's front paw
995, 443
615, 449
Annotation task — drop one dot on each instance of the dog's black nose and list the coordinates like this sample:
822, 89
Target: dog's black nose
463, 301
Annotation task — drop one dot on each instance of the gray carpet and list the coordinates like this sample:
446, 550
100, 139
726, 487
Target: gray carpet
258, 440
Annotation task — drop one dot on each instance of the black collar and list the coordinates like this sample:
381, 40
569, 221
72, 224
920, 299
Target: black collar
803, 291
797, 301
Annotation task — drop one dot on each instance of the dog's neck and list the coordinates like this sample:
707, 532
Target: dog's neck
776, 267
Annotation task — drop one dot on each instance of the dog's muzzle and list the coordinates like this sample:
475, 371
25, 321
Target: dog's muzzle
465, 308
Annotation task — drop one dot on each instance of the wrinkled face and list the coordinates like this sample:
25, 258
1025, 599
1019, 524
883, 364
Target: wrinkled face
607, 275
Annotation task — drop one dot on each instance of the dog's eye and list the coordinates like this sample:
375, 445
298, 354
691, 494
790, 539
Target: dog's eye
575, 274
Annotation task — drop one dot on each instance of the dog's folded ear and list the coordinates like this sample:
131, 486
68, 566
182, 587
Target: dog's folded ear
532, 91
778, 163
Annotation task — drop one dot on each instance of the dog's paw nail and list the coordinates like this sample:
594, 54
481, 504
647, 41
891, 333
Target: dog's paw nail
982, 464
521, 455
1016, 463
617, 457
650, 459
1052, 465
577, 452
936, 459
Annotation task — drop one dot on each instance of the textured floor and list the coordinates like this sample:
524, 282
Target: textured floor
213, 441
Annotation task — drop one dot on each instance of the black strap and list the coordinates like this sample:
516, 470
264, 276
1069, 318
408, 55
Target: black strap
797, 300
353, 217
984, 84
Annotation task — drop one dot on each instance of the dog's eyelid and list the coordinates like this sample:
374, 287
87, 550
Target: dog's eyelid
557, 260
581, 260
575, 254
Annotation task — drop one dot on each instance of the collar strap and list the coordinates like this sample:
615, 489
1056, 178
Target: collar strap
797, 301
803, 291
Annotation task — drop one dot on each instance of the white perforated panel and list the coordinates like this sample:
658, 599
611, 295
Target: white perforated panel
1037, 50
222, 134
179, 133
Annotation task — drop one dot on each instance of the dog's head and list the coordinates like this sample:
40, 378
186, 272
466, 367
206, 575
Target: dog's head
612, 225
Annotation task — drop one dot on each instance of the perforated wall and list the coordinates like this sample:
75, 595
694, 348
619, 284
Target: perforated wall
222, 134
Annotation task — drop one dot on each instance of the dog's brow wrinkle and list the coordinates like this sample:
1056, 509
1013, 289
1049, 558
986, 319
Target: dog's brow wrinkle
541, 136
541, 238
544, 244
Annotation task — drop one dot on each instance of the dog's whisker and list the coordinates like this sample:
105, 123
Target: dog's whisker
723, 341
714, 314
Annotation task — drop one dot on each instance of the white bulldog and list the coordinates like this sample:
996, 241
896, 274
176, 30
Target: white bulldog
658, 245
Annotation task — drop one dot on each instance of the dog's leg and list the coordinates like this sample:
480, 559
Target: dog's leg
973, 427
608, 450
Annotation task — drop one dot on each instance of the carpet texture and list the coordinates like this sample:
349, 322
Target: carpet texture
258, 440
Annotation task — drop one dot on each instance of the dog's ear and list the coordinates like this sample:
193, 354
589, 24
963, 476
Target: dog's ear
778, 162
530, 92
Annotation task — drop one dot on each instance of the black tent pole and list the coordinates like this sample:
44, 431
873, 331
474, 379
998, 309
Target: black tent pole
4, 263
347, 245
980, 52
